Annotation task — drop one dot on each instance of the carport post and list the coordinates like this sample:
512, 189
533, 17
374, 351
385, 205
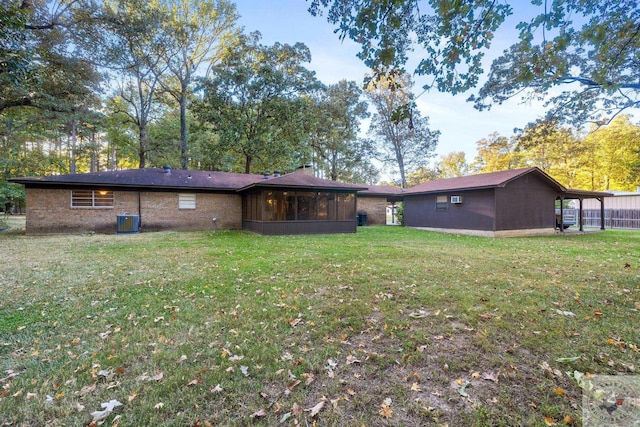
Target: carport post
580, 215
601, 213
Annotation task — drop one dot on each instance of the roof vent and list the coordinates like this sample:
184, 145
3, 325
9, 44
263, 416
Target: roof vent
276, 174
266, 175
167, 169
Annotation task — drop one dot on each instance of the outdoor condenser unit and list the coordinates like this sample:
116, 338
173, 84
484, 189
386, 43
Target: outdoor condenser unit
456, 199
128, 224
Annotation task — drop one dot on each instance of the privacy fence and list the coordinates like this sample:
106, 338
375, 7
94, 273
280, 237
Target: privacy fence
613, 218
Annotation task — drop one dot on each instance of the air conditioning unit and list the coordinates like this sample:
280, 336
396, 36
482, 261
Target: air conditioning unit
128, 224
456, 199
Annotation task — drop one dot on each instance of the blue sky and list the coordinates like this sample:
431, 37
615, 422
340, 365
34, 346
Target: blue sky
461, 126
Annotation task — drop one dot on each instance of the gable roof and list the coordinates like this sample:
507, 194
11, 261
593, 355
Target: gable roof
302, 181
480, 181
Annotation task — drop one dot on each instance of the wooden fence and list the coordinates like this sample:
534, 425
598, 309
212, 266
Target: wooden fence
613, 218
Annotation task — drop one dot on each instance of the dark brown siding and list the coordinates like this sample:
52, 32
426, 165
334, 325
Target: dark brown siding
476, 212
299, 227
526, 203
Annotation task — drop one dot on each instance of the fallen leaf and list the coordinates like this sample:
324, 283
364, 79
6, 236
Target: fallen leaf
351, 360
462, 389
296, 409
132, 396
285, 417
385, 408
475, 375
559, 391
244, 370
490, 376
86, 389
567, 419
549, 421
159, 405
565, 313
314, 411
308, 377
216, 389
182, 358
568, 359
31, 396
292, 384
108, 408
194, 382
259, 413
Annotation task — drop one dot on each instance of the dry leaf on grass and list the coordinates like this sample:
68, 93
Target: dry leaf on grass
314, 411
385, 409
108, 408
258, 414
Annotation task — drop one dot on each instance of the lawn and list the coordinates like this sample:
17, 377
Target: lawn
386, 327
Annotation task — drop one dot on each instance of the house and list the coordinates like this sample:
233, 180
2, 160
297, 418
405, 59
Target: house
499, 204
181, 200
374, 201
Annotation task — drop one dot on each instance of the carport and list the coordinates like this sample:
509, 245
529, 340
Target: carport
580, 195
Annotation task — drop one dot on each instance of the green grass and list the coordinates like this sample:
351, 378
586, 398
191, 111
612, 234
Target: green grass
387, 312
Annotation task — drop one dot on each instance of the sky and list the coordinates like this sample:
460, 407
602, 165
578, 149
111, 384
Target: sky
461, 126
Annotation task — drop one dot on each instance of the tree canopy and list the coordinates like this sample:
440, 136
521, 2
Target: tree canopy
580, 56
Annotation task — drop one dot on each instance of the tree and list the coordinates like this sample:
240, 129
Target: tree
453, 165
420, 175
554, 149
334, 134
589, 46
257, 102
199, 33
132, 44
614, 156
405, 144
41, 66
495, 153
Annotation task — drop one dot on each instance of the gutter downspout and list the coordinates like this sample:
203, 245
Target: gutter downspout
139, 211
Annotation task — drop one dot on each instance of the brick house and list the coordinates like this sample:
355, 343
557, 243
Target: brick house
180, 200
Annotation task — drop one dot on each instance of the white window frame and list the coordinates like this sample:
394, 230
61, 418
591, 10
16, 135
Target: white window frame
92, 199
186, 200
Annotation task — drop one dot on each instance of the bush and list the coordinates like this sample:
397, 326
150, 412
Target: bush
400, 213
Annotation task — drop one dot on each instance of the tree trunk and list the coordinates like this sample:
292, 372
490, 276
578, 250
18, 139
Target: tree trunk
184, 133
142, 149
74, 124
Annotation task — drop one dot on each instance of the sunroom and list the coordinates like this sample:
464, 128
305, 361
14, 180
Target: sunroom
276, 207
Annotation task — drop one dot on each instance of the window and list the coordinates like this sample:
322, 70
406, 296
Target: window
442, 203
91, 199
186, 201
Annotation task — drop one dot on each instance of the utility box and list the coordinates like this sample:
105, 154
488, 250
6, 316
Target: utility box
128, 224
361, 219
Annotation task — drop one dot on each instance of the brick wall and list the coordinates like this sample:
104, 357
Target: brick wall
49, 211
375, 208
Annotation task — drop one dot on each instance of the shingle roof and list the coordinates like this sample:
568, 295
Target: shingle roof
381, 190
481, 181
302, 180
154, 178
150, 178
